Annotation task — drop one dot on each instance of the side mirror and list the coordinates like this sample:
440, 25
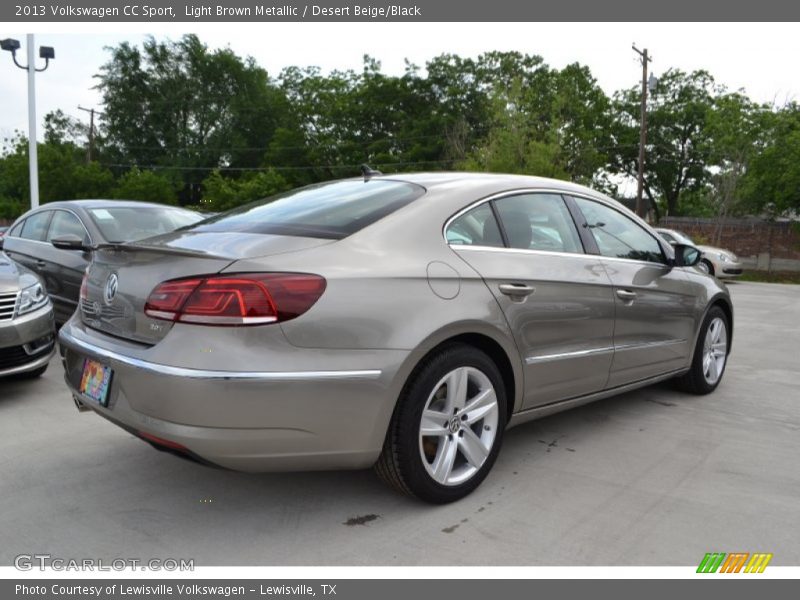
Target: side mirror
69, 241
686, 256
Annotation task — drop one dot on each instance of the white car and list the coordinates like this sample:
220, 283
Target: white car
716, 261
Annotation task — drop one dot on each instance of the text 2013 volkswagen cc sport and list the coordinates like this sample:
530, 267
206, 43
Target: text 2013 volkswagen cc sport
398, 321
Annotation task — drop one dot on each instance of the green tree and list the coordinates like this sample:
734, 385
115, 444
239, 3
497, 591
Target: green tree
678, 144
772, 183
223, 193
63, 173
182, 107
146, 186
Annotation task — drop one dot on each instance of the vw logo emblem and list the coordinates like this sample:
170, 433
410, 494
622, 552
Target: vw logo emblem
111, 288
454, 425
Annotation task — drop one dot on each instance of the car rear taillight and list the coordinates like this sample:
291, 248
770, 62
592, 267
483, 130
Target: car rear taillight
241, 299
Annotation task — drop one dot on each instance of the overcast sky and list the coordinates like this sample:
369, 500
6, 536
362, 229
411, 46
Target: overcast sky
761, 58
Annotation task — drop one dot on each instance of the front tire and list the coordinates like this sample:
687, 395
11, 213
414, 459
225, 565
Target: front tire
447, 428
710, 355
706, 267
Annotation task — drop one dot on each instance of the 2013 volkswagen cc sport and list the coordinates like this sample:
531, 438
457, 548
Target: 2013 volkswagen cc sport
397, 321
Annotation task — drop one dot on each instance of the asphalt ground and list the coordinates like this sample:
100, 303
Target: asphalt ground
652, 477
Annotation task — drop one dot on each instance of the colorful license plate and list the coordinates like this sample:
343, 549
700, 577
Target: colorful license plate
95, 381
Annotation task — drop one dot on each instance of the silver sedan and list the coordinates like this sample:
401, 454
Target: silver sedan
400, 322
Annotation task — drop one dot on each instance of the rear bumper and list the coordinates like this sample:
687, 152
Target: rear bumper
247, 420
27, 343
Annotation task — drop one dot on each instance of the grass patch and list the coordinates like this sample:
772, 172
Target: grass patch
773, 277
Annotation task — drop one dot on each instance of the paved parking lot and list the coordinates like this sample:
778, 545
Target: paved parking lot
652, 477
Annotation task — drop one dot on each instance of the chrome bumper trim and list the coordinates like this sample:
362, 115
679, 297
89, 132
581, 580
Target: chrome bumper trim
73, 343
605, 350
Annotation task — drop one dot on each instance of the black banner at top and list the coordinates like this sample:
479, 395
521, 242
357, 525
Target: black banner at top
47, 11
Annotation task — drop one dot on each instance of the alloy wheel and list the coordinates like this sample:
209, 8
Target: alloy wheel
458, 426
715, 350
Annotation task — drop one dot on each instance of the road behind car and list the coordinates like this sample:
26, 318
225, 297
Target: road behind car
652, 477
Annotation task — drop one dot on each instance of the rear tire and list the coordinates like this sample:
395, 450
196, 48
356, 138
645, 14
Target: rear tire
710, 355
447, 428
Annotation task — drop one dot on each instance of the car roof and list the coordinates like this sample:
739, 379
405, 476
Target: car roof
501, 180
101, 203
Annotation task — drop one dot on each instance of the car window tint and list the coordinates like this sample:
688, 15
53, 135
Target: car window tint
65, 223
667, 237
538, 222
16, 229
476, 227
132, 223
35, 227
329, 210
617, 235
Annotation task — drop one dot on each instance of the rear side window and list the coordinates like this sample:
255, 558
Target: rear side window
476, 227
538, 222
35, 227
16, 229
329, 210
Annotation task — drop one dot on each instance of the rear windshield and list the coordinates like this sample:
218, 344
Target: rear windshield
133, 223
328, 210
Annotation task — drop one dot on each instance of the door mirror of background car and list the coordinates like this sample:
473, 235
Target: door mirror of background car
686, 256
69, 242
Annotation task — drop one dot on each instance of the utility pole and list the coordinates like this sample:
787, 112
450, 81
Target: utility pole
644, 59
89, 149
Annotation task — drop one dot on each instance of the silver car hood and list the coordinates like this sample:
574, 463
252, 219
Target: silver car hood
713, 250
13, 276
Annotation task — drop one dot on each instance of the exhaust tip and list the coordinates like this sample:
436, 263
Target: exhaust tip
80, 405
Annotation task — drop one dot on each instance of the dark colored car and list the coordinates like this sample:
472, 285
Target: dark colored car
76, 226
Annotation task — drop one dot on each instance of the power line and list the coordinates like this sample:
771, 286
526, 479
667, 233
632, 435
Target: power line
288, 168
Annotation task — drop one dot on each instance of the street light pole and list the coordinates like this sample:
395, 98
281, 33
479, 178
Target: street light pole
33, 154
644, 58
45, 52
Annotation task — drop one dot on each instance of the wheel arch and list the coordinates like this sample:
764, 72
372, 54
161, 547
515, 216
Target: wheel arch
493, 343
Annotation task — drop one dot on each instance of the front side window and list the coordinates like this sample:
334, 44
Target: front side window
65, 223
476, 227
35, 227
617, 235
538, 222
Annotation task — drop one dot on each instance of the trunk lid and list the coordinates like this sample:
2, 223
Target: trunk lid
121, 276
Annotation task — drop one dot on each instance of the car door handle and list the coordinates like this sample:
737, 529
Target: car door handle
41, 264
516, 290
626, 295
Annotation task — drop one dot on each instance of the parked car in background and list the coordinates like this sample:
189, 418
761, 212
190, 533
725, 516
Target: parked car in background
27, 329
55, 240
3, 230
400, 321
715, 261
